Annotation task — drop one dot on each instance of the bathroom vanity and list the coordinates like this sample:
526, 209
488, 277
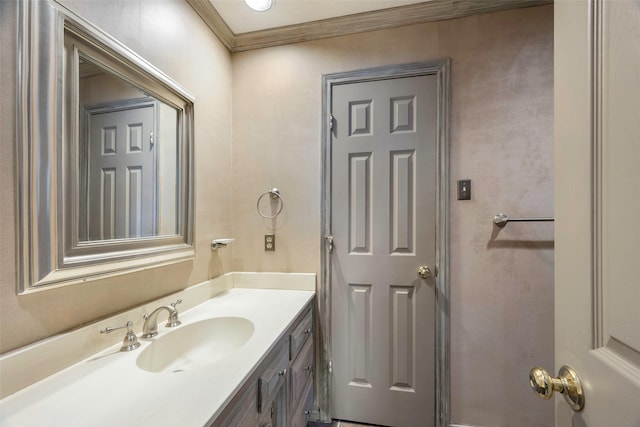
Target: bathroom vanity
280, 390
244, 357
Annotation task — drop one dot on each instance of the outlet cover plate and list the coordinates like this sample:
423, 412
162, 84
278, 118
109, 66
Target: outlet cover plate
269, 242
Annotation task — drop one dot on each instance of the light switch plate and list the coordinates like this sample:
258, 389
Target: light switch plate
464, 189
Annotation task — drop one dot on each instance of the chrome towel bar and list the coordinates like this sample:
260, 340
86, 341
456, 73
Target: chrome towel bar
501, 220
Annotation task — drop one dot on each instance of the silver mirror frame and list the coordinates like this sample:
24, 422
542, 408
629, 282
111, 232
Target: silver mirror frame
44, 158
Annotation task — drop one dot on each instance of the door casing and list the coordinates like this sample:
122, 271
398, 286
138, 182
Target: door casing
440, 68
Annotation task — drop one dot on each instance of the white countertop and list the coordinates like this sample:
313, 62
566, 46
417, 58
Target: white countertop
108, 389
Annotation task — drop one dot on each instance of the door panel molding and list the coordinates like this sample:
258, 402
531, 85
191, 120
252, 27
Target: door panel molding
360, 232
360, 334
403, 339
615, 340
441, 69
596, 41
403, 218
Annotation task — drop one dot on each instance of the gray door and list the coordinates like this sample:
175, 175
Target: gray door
383, 220
597, 209
122, 195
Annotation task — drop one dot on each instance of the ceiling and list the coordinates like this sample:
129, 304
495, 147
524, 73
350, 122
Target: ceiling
291, 21
241, 19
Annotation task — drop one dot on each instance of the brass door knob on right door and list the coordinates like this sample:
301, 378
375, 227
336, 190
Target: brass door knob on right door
567, 382
424, 272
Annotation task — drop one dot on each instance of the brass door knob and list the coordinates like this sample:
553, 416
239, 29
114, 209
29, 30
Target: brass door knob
567, 382
424, 272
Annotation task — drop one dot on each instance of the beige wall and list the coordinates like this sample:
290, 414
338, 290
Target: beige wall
501, 139
172, 37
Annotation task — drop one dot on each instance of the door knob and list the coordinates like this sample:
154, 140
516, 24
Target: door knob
424, 272
567, 382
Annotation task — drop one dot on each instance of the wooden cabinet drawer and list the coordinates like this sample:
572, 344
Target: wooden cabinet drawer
300, 334
266, 420
272, 378
301, 373
300, 414
242, 413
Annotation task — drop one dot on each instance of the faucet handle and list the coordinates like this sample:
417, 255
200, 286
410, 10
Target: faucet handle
173, 320
130, 341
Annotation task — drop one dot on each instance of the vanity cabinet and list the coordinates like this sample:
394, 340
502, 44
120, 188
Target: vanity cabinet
279, 392
300, 376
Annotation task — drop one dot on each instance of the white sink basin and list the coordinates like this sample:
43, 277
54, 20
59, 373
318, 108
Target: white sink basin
197, 344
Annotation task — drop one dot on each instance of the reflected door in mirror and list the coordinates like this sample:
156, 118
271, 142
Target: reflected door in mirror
121, 199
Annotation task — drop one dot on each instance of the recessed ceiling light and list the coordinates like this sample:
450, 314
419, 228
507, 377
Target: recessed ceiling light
259, 5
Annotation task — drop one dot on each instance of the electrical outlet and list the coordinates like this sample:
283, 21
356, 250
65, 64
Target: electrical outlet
269, 242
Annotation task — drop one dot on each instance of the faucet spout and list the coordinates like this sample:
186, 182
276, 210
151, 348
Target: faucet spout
150, 327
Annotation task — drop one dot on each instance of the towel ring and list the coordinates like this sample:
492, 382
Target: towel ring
275, 194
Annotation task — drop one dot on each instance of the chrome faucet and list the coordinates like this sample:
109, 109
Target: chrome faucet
150, 327
130, 341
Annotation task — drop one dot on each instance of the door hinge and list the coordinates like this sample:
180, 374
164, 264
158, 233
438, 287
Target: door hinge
151, 140
314, 414
330, 121
329, 240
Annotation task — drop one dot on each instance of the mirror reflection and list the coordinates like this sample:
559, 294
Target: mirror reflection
105, 158
129, 146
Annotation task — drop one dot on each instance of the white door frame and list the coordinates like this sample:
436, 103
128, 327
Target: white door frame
440, 68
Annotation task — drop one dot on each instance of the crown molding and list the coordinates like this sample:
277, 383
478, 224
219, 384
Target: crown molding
435, 10
214, 21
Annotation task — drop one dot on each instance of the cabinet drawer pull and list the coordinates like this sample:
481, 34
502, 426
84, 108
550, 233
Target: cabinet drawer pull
282, 372
308, 368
